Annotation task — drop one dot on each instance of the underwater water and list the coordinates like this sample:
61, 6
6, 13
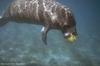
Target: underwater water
21, 44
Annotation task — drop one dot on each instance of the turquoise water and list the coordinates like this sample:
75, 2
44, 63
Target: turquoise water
21, 43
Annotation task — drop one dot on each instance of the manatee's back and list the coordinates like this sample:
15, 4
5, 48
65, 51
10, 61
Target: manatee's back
22, 9
27, 8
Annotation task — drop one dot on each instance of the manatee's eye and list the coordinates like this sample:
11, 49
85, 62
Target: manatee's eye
66, 26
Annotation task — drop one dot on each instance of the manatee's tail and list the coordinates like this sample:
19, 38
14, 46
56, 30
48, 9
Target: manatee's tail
3, 21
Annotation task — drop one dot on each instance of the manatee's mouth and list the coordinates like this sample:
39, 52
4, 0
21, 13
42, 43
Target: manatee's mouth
70, 37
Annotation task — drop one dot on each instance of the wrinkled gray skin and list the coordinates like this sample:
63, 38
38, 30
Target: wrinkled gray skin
49, 13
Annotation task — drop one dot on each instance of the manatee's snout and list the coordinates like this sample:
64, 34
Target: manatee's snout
71, 37
70, 33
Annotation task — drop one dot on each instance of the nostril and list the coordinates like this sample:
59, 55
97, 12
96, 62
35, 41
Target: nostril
75, 33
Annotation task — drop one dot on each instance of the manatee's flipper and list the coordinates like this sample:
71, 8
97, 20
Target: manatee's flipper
44, 34
3, 21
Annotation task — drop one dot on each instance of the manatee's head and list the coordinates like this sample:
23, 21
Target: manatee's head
69, 27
